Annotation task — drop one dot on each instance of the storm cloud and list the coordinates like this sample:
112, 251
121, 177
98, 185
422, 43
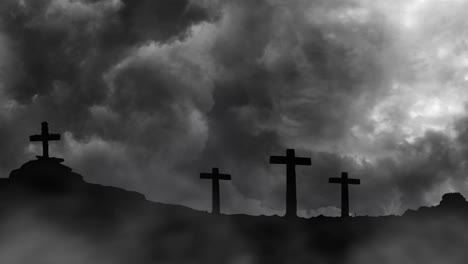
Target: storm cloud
148, 94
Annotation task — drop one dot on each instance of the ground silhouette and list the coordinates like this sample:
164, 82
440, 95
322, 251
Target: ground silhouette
47, 175
50, 214
121, 226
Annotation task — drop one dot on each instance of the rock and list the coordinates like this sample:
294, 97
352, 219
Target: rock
453, 201
46, 174
451, 204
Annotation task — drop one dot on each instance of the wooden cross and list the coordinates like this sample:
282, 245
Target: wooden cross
344, 181
215, 176
45, 137
291, 161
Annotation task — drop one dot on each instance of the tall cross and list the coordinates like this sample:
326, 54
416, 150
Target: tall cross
45, 137
215, 176
344, 181
291, 161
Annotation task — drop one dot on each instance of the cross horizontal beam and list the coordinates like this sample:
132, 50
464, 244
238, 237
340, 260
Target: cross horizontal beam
287, 160
290, 159
215, 175
49, 137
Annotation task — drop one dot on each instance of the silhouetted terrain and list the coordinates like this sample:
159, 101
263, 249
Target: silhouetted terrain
48, 214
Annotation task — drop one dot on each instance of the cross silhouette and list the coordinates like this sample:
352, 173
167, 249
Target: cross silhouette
45, 137
291, 161
344, 181
215, 176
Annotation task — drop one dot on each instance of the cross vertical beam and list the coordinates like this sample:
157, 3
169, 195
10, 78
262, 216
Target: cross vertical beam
215, 176
291, 161
344, 181
44, 137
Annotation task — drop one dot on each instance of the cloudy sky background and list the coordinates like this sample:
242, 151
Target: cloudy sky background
147, 94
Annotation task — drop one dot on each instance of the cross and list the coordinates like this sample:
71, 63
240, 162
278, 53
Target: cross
291, 161
344, 181
45, 137
215, 176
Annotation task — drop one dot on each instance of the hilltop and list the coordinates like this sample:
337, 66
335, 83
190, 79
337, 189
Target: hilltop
49, 214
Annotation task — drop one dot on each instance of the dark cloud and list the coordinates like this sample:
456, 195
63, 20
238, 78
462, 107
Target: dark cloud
74, 42
150, 93
158, 20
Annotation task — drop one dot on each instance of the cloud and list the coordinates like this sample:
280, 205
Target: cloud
151, 93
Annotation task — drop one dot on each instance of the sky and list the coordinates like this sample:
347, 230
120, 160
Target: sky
148, 94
